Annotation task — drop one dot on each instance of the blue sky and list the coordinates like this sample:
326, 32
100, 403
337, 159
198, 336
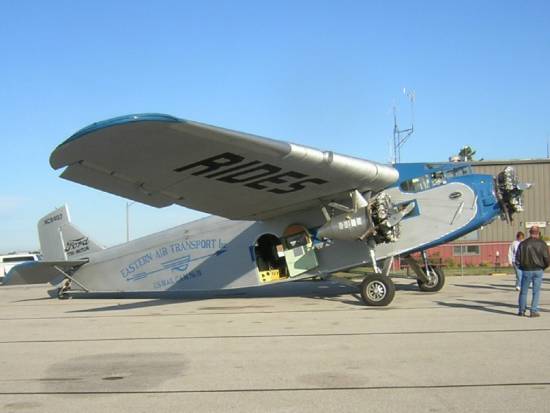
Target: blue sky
324, 74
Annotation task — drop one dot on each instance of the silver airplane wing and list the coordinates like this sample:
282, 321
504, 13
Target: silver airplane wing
161, 160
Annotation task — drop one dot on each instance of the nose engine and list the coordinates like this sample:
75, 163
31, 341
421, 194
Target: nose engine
510, 192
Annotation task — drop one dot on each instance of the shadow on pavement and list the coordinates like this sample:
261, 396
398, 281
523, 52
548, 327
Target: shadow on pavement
488, 306
33, 299
325, 290
478, 307
488, 287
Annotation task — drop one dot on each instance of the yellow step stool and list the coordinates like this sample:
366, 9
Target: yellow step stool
270, 275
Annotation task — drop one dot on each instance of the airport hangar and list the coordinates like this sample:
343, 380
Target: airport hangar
489, 245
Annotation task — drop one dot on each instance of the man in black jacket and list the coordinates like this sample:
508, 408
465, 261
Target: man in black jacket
532, 258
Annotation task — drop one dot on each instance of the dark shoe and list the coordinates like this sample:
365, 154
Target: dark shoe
535, 314
521, 314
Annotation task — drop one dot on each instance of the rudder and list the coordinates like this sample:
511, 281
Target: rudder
60, 240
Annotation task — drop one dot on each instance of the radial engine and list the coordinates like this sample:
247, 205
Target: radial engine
375, 221
509, 192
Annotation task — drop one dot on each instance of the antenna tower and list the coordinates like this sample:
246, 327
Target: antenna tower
400, 136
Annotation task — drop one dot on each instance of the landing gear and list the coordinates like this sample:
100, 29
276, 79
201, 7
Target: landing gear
374, 220
436, 280
429, 278
62, 291
377, 290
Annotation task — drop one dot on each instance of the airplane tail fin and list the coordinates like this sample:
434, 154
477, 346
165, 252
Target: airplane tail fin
60, 240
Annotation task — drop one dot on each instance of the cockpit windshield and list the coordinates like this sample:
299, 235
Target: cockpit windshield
434, 179
418, 184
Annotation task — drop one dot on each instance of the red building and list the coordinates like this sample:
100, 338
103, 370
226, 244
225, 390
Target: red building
490, 254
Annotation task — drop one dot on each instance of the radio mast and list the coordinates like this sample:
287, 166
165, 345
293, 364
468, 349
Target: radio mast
400, 136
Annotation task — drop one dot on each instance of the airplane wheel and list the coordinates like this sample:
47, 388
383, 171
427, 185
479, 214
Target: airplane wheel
437, 283
61, 294
377, 290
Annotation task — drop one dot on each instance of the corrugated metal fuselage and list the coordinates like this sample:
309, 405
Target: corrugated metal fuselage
215, 253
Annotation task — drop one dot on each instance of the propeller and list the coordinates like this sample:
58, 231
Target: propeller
509, 192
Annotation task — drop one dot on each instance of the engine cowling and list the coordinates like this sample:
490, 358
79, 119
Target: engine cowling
378, 220
346, 226
510, 192
382, 210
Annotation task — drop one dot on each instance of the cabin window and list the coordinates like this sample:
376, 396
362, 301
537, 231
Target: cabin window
421, 183
438, 178
297, 240
417, 184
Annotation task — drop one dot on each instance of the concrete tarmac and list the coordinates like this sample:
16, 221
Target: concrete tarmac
313, 348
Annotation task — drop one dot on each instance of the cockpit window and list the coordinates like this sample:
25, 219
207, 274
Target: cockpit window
418, 184
433, 179
438, 178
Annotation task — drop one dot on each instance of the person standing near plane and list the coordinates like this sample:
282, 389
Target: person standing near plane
512, 257
533, 258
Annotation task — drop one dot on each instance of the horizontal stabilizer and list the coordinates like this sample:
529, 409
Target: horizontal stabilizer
39, 272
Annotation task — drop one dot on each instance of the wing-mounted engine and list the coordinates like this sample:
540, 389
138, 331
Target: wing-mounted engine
385, 218
376, 220
510, 192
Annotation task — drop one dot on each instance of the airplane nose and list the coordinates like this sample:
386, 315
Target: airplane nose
509, 192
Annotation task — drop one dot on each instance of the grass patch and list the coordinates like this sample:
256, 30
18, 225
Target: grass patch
449, 271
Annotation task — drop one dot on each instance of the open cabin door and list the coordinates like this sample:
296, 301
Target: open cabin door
298, 250
289, 256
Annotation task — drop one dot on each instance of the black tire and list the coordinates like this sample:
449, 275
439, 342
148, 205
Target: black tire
436, 285
377, 290
61, 294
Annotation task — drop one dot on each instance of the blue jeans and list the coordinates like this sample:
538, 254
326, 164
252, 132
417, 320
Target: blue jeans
529, 277
518, 275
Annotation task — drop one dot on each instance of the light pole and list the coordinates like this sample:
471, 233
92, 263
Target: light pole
461, 260
128, 205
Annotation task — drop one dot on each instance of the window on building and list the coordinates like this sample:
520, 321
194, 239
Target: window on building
463, 170
459, 250
472, 236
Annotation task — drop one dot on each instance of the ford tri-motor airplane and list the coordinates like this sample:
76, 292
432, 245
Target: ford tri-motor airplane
282, 211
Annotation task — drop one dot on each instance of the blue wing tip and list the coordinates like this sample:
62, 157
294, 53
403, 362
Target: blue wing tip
120, 120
